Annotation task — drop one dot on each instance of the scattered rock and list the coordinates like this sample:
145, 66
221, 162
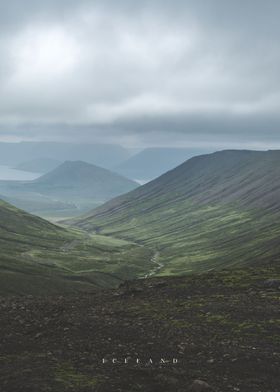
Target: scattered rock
133, 291
200, 386
166, 379
160, 285
272, 283
74, 332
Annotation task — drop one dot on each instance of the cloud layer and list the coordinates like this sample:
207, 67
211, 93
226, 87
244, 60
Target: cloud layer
141, 73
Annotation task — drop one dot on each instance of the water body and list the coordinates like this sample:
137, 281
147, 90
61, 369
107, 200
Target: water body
8, 173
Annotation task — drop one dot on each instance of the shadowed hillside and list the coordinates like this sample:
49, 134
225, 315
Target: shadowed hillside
212, 211
38, 257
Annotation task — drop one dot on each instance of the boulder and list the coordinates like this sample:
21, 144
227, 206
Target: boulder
200, 386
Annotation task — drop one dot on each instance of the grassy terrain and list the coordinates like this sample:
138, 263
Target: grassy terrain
51, 208
39, 257
41, 205
214, 211
202, 238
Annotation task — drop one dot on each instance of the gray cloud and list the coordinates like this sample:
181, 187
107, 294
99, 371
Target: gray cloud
141, 73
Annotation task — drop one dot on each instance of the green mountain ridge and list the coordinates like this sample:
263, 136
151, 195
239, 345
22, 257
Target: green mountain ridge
213, 211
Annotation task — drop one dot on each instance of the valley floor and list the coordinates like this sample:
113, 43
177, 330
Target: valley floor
223, 327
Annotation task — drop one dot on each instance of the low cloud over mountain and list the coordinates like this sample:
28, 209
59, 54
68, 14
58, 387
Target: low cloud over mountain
147, 73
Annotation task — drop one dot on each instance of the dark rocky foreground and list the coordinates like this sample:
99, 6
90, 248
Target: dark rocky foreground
223, 328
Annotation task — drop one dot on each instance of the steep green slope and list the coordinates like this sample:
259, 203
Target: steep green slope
213, 211
39, 257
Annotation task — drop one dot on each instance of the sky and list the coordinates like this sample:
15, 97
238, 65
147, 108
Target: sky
188, 73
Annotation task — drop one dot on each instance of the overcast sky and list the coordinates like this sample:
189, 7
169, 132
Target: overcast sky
141, 73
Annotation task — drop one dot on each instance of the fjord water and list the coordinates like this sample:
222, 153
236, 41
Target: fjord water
8, 173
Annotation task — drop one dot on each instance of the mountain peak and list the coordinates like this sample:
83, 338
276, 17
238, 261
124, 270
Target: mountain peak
83, 179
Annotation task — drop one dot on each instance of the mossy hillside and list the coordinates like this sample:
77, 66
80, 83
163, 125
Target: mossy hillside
39, 257
200, 237
213, 211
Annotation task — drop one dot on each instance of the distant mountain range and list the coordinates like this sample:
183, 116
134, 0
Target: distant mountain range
104, 155
153, 162
213, 211
41, 157
39, 165
72, 187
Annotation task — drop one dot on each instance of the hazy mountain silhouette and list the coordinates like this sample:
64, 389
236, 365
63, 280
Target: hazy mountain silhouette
78, 178
104, 155
39, 165
152, 162
68, 190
